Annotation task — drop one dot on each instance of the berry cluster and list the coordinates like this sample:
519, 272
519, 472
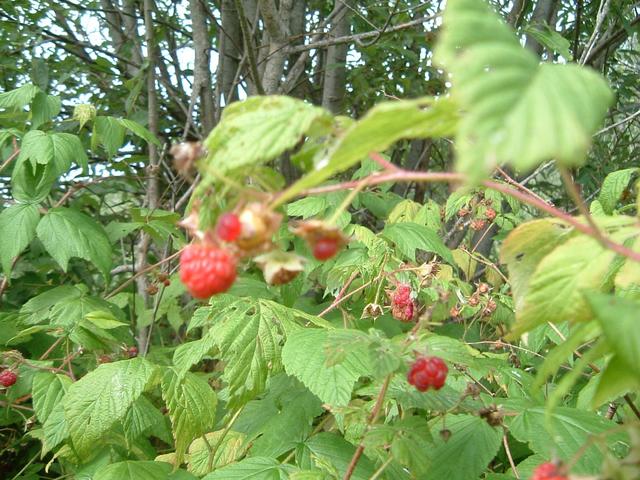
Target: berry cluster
403, 307
548, 471
8, 378
428, 372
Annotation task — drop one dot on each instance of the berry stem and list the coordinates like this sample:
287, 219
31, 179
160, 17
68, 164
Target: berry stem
370, 421
347, 201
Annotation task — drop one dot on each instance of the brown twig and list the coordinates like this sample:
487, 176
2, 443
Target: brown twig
505, 442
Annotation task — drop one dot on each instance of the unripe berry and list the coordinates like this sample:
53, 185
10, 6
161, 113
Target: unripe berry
548, 471
229, 227
478, 224
325, 248
8, 378
206, 270
428, 372
490, 214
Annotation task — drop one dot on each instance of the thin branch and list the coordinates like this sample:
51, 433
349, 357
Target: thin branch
505, 442
248, 48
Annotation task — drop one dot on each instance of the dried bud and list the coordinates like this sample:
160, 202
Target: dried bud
372, 310
482, 288
185, 155
489, 308
152, 289
445, 433
454, 312
259, 224
280, 267
315, 231
463, 212
492, 414
474, 300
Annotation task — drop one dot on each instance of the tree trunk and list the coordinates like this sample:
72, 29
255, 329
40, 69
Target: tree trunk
335, 73
202, 72
229, 53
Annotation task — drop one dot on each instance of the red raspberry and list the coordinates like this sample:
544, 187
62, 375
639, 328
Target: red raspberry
207, 270
229, 227
8, 378
403, 307
428, 372
548, 471
325, 248
490, 214
478, 224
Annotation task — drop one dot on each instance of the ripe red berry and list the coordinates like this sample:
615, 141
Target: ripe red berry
548, 471
229, 227
403, 307
428, 372
207, 270
8, 378
490, 214
325, 248
478, 224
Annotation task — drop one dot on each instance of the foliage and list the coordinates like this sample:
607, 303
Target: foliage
307, 378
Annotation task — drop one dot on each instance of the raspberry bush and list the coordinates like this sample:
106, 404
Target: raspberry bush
427, 287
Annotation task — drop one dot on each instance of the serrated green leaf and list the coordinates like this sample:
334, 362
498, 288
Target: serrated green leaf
134, 470
555, 292
524, 249
468, 451
192, 408
329, 449
36, 147
47, 391
139, 131
381, 127
409, 237
43, 108
572, 429
18, 98
17, 228
615, 380
612, 188
551, 39
231, 448
67, 233
141, 418
32, 185
101, 398
109, 132
516, 110
304, 357
254, 468
259, 129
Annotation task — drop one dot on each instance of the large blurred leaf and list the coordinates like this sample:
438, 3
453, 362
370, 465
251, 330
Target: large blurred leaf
67, 233
101, 398
43, 108
18, 98
380, 128
259, 129
516, 110
304, 356
526, 246
409, 237
555, 291
618, 318
141, 470
17, 229
254, 468
192, 408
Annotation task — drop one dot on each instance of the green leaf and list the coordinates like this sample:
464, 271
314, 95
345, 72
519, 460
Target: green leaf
516, 110
68, 149
140, 131
304, 356
572, 429
134, 470
409, 237
231, 448
43, 108
615, 380
36, 147
67, 233
192, 408
551, 39
56, 429
254, 468
32, 185
259, 129
468, 451
48, 390
18, 98
612, 188
555, 292
101, 398
142, 417
333, 451
380, 128
109, 132
17, 229
61, 149
618, 318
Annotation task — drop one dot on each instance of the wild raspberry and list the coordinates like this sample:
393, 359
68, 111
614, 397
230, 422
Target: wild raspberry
428, 372
548, 471
166, 282
132, 351
229, 227
207, 270
403, 307
325, 248
490, 214
478, 224
8, 378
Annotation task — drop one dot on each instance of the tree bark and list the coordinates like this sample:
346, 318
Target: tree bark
335, 73
229, 53
202, 71
276, 22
